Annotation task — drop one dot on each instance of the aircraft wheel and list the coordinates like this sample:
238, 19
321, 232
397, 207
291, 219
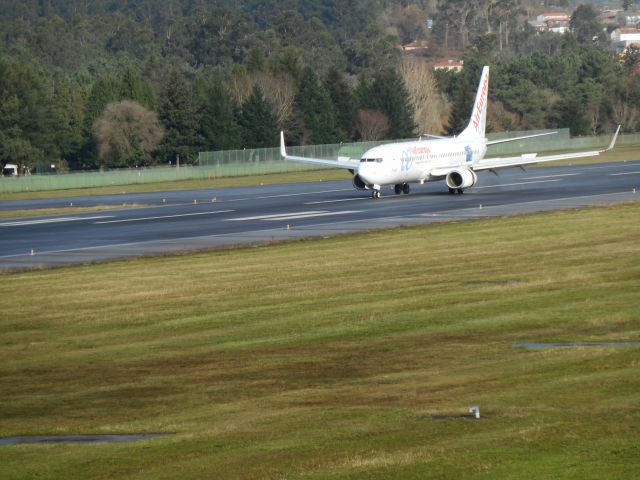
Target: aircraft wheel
397, 189
460, 191
406, 189
375, 194
452, 191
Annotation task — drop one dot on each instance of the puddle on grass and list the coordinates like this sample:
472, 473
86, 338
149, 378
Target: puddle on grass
577, 344
77, 438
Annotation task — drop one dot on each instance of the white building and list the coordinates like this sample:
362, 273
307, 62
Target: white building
556, 22
625, 36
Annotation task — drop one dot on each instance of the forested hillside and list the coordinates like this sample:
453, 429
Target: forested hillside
93, 83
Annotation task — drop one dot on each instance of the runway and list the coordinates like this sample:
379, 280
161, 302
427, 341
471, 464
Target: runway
199, 219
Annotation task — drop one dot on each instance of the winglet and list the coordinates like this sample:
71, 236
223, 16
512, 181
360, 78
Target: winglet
283, 150
613, 140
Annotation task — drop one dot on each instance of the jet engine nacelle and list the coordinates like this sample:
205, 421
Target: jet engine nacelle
358, 183
461, 178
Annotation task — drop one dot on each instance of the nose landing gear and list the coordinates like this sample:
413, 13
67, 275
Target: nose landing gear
375, 194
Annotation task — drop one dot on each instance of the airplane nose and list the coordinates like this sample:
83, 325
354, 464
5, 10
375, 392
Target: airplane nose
365, 172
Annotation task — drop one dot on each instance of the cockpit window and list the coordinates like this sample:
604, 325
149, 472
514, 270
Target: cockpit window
379, 160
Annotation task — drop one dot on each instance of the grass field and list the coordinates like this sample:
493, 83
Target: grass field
329, 358
276, 178
35, 212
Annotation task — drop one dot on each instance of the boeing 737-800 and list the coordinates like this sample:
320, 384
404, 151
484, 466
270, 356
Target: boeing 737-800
453, 159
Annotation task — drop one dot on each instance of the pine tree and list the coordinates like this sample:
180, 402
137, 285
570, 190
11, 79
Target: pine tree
317, 109
179, 117
133, 88
257, 121
388, 94
218, 126
343, 103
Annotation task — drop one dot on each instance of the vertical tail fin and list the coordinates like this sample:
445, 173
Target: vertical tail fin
478, 122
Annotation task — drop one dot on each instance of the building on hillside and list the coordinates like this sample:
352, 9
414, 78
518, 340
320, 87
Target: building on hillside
417, 46
451, 65
623, 37
556, 22
609, 17
554, 17
629, 19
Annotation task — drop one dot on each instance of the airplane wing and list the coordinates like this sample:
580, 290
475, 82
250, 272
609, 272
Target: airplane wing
350, 164
513, 139
530, 158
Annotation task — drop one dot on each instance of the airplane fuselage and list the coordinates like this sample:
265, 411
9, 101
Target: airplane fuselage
410, 162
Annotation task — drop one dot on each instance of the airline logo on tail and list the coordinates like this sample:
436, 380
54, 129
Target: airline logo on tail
481, 105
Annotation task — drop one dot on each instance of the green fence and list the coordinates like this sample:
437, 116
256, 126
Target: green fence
233, 163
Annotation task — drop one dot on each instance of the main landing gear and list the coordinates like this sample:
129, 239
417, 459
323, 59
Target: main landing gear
453, 191
401, 188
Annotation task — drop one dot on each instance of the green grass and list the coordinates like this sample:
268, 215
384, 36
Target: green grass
328, 358
276, 178
65, 210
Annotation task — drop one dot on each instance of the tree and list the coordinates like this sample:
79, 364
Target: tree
126, 134
430, 108
279, 90
585, 24
372, 50
409, 21
28, 115
133, 88
218, 126
317, 110
257, 121
372, 124
343, 103
388, 94
179, 116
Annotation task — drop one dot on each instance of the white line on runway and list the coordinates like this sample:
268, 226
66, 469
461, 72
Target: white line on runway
162, 217
319, 214
291, 216
303, 193
554, 176
42, 221
335, 201
626, 173
277, 216
285, 195
520, 183
267, 217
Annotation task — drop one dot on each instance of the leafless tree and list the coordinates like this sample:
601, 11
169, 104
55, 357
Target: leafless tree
279, 90
240, 84
407, 22
624, 113
372, 124
126, 134
431, 109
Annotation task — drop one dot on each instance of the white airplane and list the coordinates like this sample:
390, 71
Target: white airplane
453, 159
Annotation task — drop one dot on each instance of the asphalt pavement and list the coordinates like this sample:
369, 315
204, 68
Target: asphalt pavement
187, 220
